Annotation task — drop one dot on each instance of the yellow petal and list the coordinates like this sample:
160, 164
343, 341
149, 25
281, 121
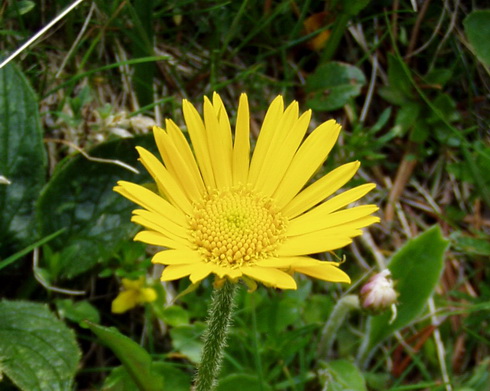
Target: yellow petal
166, 182
176, 257
219, 146
200, 272
133, 284
317, 220
324, 271
222, 272
320, 190
307, 160
287, 262
347, 197
224, 122
272, 277
174, 272
148, 295
241, 148
279, 134
151, 219
279, 159
151, 201
158, 239
124, 301
178, 164
316, 242
266, 136
185, 150
197, 133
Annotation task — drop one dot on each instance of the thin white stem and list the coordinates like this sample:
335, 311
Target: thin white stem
40, 32
39, 278
77, 40
441, 351
372, 82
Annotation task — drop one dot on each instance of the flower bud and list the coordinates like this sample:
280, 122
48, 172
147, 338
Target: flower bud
379, 293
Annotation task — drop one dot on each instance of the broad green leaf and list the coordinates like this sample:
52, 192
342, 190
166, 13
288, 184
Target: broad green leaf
19, 7
317, 307
80, 199
37, 351
77, 311
187, 339
397, 77
416, 269
135, 359
242, 381
332, 85
477, 29
479, 245
22, 160
342, 375
175, 315
399, 91
175, 379
352, 7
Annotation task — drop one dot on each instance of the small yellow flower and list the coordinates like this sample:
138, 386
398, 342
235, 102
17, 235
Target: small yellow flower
222, 210
134, 293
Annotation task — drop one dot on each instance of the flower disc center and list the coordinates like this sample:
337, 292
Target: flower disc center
236, 226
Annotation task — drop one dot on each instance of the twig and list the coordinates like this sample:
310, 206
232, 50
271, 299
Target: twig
79, 37
42, 281
450, 28
441, 351
4, 180
368, 241
92, 158
416, 28
426, 195
372, 82
40, 32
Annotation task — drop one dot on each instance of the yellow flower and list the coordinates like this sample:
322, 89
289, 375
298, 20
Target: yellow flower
222, 211
134, 293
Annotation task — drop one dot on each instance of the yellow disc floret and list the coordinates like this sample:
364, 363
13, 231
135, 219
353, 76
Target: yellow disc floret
236, 226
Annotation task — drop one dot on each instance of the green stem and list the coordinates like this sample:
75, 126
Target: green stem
215, 338
343, 307
336, 35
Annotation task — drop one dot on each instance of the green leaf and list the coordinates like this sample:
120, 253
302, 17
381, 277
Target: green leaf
175, 315
342, 375
175, 379
37, 351
22, 160
477, 29
416, 269
242, 381
397, 77
19, 7
135, 359
80, 198
471, 245
332, 85
399, 91
352, 7
77, 311
276, 316
187, 339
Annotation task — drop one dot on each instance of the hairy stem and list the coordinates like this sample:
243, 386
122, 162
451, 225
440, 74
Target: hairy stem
219, 321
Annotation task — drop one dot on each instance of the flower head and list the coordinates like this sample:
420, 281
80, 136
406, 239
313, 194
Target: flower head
220, 210
379, 293
134, 293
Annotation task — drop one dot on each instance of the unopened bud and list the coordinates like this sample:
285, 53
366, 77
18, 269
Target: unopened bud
379, 293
